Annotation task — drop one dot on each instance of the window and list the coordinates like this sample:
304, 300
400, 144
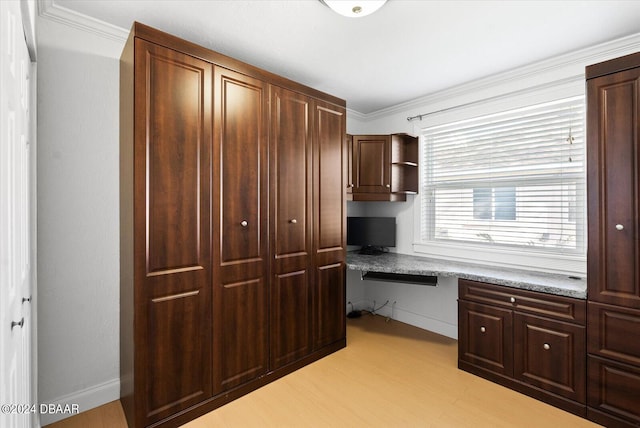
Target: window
511, 181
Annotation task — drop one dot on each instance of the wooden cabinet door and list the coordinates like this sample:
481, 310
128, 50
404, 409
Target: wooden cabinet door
371, 157
614, 389
240, 179
486, 337
329, 222
613, 333
613, 144
291, 219
550, 355
172, 267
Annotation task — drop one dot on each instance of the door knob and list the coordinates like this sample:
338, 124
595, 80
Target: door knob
244, 223
17, 323
293, 221
619, 227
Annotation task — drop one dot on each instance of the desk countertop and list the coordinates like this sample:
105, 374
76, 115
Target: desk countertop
562, 285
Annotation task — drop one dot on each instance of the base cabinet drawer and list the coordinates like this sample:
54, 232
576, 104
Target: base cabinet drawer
550, 355
614, 389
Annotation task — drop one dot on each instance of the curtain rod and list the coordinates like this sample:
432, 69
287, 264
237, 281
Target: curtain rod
420, 116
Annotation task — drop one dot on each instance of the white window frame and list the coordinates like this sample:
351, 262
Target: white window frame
527, 259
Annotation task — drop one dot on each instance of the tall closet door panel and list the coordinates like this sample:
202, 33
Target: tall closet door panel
290, 318
614, 146
172, 206
240, 217
329, 224
291, 219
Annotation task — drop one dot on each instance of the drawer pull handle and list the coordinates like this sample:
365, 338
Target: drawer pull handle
619, 227
482, 329
546, 346
512, 299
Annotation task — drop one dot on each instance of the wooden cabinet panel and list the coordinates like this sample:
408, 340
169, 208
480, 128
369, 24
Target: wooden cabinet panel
179, 349
550, 355
486, 337
329, 244
613, 144
291, 219
614, 389
240, 209
372, 164
290, 318
329, 305
328, 184
171, 202
614, 333
557, 307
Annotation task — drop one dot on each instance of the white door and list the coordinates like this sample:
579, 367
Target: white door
15, 269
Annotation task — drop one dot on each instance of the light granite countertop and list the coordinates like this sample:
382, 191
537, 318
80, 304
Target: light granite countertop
562, 285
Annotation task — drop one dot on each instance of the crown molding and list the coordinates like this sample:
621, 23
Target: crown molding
572, 61
48, 9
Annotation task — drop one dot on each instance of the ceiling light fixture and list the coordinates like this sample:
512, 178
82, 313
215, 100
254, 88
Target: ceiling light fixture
354, 9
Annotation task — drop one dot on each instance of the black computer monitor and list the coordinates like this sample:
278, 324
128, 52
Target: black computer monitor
374, 234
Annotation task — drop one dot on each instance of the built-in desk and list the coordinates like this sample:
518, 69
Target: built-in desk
394, 263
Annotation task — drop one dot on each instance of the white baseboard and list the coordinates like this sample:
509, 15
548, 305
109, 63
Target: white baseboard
420, 321
86, 399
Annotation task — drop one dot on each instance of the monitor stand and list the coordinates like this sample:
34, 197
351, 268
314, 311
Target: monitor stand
372, 250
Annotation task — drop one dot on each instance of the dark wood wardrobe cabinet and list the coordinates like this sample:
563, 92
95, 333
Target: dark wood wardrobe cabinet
613, 327
232, 215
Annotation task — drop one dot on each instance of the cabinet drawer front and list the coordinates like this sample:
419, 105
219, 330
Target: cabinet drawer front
550, 355
614, 332
486, 337
614, 389
549, 305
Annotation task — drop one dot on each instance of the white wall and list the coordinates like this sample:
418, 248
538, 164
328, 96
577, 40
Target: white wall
435, 308
78, 264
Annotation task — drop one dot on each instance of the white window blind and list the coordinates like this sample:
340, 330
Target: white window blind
513, 180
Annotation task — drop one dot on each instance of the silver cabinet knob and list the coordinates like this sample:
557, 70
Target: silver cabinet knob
293, 221
546, 346
619, 227
351, 185
244, 223
388, 185
482, 329
512, 299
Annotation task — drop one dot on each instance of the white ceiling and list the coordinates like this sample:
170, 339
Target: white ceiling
406, 50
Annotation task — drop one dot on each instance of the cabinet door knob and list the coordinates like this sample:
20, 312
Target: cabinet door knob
388, 185
619, 227
293, 221
244, 223
512, 299
351, 185
546, 346
482, 329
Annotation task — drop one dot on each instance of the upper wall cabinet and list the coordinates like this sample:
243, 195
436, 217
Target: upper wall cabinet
382, 167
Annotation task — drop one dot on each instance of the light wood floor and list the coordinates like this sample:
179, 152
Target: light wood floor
389, 375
